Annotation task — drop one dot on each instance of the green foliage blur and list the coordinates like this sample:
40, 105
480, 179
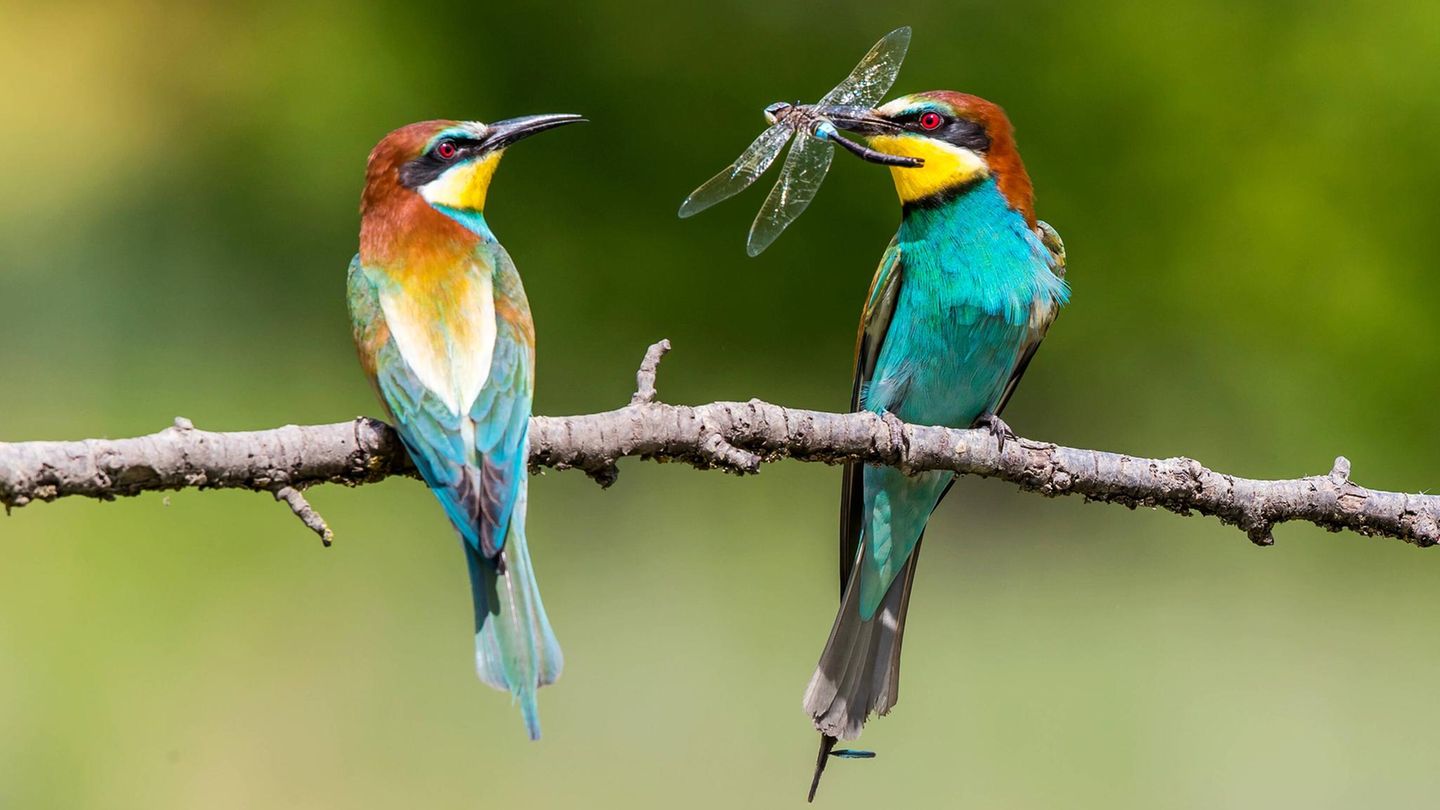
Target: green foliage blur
1248, 193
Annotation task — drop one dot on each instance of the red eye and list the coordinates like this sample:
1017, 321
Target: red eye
446, 150
931, 120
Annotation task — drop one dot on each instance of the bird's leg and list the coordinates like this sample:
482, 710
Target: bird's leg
996, 426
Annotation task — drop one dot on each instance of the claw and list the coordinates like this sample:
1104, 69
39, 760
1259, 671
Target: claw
997, 428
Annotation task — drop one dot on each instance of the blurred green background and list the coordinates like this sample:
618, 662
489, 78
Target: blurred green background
1247, 193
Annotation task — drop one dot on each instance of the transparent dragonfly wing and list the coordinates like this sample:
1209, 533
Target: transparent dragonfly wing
873, 77
738, 176
800, 178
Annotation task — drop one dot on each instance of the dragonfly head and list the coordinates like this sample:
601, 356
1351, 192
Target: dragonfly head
961, 139
776, 111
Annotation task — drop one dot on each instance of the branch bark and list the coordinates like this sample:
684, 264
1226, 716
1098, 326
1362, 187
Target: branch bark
733, 436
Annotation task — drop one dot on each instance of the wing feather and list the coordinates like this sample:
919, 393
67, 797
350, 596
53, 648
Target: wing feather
472, 460
1041, 314
502, 423
874, 324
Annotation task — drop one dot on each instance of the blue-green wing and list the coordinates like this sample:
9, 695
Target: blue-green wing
472, 461
501, 415
1042, 317
874, 323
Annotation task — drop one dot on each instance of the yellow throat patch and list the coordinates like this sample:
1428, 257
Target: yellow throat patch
463, 187
946, 165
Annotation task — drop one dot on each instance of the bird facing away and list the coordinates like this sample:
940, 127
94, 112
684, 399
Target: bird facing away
961, 300
445, 335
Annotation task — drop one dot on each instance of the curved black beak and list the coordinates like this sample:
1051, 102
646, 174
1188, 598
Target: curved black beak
865, 122
859, 120
503, 133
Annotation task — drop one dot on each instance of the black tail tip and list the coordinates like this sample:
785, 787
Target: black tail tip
827, 744
827, 750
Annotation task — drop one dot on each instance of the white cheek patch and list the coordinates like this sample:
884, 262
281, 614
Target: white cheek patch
448, 345
449, 188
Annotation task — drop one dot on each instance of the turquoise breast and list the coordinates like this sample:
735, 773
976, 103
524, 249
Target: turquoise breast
972, 271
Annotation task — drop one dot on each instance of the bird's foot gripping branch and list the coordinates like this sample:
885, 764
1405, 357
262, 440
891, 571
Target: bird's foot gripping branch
734, 436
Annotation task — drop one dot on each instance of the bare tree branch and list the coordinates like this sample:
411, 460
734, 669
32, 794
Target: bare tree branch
732, 436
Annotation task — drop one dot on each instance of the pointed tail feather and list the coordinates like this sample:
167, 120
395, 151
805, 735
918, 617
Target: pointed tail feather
827, 744
515, 649
859, 671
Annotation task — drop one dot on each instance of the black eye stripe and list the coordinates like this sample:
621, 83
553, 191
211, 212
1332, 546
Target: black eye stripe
968, 134
959, 131
429, 166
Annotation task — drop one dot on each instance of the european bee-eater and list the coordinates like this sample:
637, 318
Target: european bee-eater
961, 301
444, 333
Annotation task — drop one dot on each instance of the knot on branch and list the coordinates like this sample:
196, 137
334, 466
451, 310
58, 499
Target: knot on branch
604, 473
1058, 483
1258, 528
1187, 483
715, 450
1038, 468
723, 455
1422, 523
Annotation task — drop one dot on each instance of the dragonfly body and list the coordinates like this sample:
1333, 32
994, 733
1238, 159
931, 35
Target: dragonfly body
814, 120
444, 333
813, 138
962, 298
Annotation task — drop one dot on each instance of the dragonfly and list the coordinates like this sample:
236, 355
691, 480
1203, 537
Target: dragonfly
812, 138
